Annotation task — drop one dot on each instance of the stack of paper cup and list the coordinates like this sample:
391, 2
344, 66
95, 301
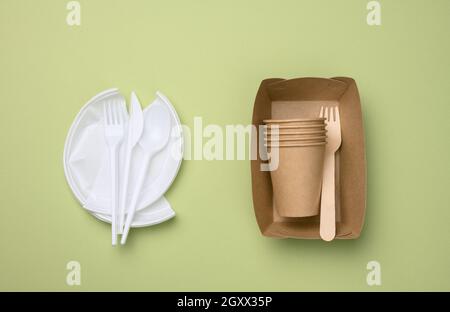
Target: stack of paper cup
297, 180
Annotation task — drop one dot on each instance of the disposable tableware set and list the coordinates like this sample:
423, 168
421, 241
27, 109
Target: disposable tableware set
120, 164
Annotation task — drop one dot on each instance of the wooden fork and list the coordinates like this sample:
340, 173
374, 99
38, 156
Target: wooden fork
328, 205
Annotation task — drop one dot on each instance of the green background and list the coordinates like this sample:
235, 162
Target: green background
208, 57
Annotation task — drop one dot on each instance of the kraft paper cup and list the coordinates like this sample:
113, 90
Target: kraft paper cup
302, 139
290, 144
315, 134
312, 126
295, 138
299, 139
297, 124
295, 133
299, 121
297, 181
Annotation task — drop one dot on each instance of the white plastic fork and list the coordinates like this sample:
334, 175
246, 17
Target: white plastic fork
328, 204
115, 115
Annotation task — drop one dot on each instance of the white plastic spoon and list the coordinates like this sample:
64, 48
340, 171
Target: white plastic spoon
154, 138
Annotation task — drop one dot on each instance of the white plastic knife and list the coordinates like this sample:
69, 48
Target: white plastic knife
135, 128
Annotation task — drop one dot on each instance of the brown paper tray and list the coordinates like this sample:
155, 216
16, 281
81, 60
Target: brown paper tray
302, 98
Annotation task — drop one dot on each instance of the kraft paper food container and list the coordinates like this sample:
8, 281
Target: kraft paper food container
297, 184
302, 98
